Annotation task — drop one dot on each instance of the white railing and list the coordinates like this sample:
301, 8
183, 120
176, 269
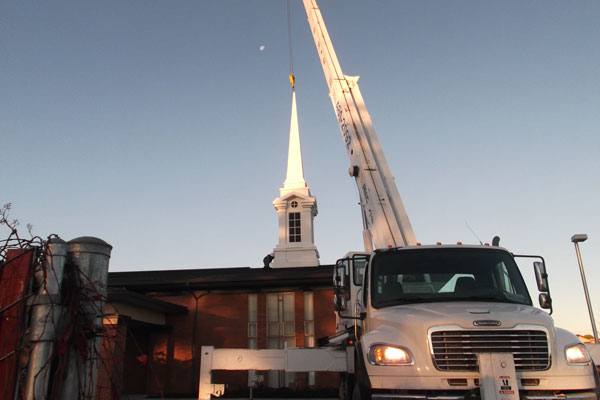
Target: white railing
289, 360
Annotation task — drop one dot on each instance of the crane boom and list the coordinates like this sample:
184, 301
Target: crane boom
385, 221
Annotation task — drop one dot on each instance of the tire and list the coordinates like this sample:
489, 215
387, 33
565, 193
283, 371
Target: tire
346, 387
356, 392
361, 385
360, 393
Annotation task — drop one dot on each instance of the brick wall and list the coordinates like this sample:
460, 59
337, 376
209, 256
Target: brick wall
325, 326
221, 321
173, 354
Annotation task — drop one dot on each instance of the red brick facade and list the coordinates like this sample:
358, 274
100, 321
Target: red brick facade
165, 360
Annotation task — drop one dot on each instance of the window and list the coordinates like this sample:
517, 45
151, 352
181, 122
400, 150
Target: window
508, 283
309, 319
281, 332
309, 328
465, 274
294, 227
359, 264
252, 320
280, 320
252, 331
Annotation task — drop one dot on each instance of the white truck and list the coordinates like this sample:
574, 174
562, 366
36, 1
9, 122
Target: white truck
453, 322
420, 322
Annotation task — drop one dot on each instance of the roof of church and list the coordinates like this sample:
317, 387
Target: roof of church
222, 278
122, 295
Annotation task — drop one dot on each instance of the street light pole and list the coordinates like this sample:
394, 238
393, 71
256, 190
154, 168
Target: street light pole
576, 239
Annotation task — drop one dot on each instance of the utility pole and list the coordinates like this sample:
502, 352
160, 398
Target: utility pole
576, 239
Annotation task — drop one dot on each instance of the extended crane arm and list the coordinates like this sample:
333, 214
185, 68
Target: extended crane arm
386, 223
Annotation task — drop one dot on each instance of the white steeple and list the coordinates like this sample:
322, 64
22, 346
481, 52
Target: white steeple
296, 208
294, 179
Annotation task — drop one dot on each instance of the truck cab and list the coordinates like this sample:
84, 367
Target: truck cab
420, 315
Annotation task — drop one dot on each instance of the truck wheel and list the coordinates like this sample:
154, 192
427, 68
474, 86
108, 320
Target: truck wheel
358, 394
346, 386
362, 386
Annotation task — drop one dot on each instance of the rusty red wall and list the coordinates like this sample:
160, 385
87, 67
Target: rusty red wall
15, 275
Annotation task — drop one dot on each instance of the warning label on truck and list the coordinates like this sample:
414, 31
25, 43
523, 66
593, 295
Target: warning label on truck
497, 376
505, 385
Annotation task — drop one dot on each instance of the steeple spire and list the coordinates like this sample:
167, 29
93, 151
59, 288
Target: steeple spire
294, 180
296, 208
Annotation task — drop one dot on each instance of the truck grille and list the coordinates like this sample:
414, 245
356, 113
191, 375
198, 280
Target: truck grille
457, 350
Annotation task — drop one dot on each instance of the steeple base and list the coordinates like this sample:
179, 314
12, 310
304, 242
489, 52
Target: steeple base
295, 257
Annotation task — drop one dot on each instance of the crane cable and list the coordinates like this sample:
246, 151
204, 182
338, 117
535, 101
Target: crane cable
292, 77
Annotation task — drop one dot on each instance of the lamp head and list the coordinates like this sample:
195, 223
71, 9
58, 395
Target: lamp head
580, 237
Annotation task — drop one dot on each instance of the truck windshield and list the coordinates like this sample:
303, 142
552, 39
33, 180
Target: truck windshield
441, 275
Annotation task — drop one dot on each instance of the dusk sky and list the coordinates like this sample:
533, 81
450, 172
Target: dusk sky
162, 126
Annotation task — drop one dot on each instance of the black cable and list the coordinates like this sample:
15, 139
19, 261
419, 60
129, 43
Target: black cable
289, 23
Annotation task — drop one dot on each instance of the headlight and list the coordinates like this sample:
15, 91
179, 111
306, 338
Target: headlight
383, 354
577, 354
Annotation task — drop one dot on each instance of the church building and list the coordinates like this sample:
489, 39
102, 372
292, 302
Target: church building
157, 321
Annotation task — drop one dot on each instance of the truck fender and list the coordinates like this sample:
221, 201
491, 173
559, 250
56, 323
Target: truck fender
596, 373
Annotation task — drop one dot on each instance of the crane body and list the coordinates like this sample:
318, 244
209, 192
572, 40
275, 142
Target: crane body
385, 221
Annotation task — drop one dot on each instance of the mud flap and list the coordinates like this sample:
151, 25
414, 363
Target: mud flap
497, 376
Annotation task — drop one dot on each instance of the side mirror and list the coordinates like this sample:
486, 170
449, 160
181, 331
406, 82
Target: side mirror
545, 301
541, 277
339, 302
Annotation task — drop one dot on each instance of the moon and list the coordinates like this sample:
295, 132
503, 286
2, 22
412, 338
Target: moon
262, 47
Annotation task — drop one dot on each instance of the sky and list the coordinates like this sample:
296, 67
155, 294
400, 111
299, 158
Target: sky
162, 127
